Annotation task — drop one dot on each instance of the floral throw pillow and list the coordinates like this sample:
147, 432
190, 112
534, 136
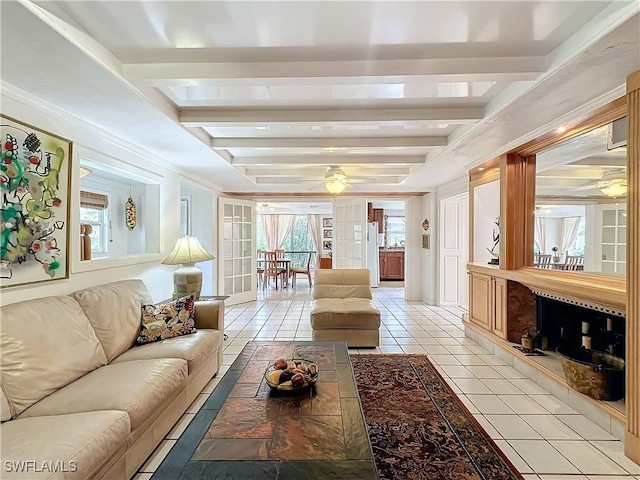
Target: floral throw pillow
167, 320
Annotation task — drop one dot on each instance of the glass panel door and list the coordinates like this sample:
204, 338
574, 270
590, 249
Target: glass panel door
349, 237
237, 272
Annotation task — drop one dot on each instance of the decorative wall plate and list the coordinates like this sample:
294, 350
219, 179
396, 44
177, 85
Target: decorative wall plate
130, 215
425, 225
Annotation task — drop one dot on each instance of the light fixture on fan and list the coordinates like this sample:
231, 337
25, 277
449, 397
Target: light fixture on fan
614, 188
84, 171
335, 180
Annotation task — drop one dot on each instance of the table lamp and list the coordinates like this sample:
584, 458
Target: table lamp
187, 280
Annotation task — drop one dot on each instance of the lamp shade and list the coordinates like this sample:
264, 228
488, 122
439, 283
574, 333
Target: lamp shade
187, 250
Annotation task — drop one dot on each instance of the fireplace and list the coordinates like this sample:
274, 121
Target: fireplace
571, 326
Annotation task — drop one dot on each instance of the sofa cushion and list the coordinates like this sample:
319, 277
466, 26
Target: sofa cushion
167, 320
78, 443
342, 283
195, 349
114, 311
138, 387
45, 344
351, 313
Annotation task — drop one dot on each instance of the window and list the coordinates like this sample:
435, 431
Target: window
298, 240
94, 211
395, 231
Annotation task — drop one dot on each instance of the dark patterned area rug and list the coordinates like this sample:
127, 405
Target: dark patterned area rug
418, 427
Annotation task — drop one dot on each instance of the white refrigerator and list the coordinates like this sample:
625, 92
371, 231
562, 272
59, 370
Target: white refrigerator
373, 253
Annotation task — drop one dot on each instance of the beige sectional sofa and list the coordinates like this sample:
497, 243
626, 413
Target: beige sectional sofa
79, 400
343, 308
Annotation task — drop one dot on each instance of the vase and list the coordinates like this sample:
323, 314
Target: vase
555, 259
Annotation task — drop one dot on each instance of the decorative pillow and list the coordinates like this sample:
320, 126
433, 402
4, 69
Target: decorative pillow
167, 320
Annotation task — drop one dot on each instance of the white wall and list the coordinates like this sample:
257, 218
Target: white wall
203, 218
94, 144
552, 233
429, 264
486, 208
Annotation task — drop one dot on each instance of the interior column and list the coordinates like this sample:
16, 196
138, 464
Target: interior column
632, 437
517, 205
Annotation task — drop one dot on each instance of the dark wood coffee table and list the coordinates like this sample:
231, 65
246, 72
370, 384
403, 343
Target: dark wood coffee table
247, 431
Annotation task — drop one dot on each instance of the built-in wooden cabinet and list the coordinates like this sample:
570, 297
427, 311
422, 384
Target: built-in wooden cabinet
499, 310
325, 262
391, 265
488, 305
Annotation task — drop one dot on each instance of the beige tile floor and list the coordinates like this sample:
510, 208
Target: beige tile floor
542, 436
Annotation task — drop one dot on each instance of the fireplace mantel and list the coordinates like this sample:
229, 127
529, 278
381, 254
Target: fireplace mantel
587, 289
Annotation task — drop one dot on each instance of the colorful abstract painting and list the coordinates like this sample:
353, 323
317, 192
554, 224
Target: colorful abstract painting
34, 184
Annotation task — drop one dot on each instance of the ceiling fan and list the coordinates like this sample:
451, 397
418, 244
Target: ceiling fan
335, 180
613, 183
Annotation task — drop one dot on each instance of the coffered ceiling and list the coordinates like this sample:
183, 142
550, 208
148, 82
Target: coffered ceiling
265, 96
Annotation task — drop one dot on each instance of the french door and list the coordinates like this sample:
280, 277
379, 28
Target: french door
237, 250
350, 233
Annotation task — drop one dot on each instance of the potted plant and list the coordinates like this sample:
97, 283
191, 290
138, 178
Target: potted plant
556, 256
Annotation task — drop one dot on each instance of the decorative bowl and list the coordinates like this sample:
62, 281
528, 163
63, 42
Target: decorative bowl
287, 385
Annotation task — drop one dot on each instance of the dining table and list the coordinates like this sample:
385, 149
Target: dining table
285, 263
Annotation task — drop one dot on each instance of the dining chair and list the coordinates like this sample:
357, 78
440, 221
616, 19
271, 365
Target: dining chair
271, 269
302, 270
542, 260
572, 262
279, 253
260, 269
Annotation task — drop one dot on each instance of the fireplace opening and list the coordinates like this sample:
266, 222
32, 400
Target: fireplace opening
570, 327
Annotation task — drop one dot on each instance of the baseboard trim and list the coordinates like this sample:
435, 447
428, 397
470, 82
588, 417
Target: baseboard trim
632, 446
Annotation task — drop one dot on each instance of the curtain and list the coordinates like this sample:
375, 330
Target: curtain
569, 233
93, 200
539, 233
315, 227
276, 229
285, 225
270, 227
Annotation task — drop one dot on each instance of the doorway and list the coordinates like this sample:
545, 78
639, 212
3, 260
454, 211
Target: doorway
387, 223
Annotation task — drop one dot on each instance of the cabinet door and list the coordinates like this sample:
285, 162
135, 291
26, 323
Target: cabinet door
499, 307
480, 305
378, 216
395, 265
383, 265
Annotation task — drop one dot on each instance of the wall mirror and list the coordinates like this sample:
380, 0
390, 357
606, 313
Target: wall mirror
580, 213
122, 210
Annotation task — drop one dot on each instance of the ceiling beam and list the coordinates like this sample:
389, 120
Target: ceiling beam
318, 182
495, 69
582, 173
341, 160
338, 142
211, 117
258, 196
369, 174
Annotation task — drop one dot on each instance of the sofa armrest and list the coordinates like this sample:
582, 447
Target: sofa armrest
210, 314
